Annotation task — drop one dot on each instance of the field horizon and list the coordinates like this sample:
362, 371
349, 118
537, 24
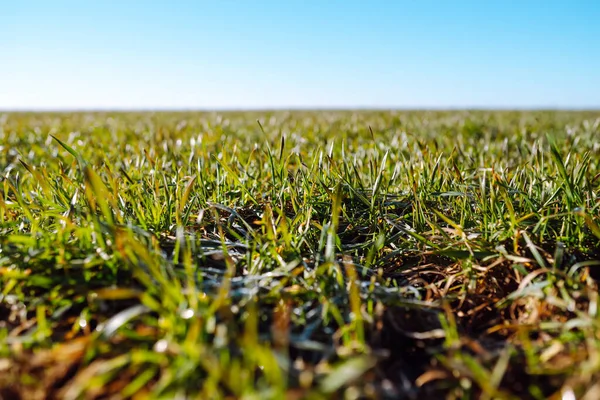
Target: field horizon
315, 109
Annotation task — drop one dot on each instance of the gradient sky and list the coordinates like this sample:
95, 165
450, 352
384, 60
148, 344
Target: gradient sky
299, 54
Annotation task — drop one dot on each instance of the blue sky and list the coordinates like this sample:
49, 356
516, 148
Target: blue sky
299, 54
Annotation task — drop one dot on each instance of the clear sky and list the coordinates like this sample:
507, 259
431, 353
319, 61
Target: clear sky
302, 54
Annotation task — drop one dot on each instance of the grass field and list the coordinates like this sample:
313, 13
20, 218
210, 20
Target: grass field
300, 255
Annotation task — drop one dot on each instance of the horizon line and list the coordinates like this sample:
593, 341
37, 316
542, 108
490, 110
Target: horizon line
293, 108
